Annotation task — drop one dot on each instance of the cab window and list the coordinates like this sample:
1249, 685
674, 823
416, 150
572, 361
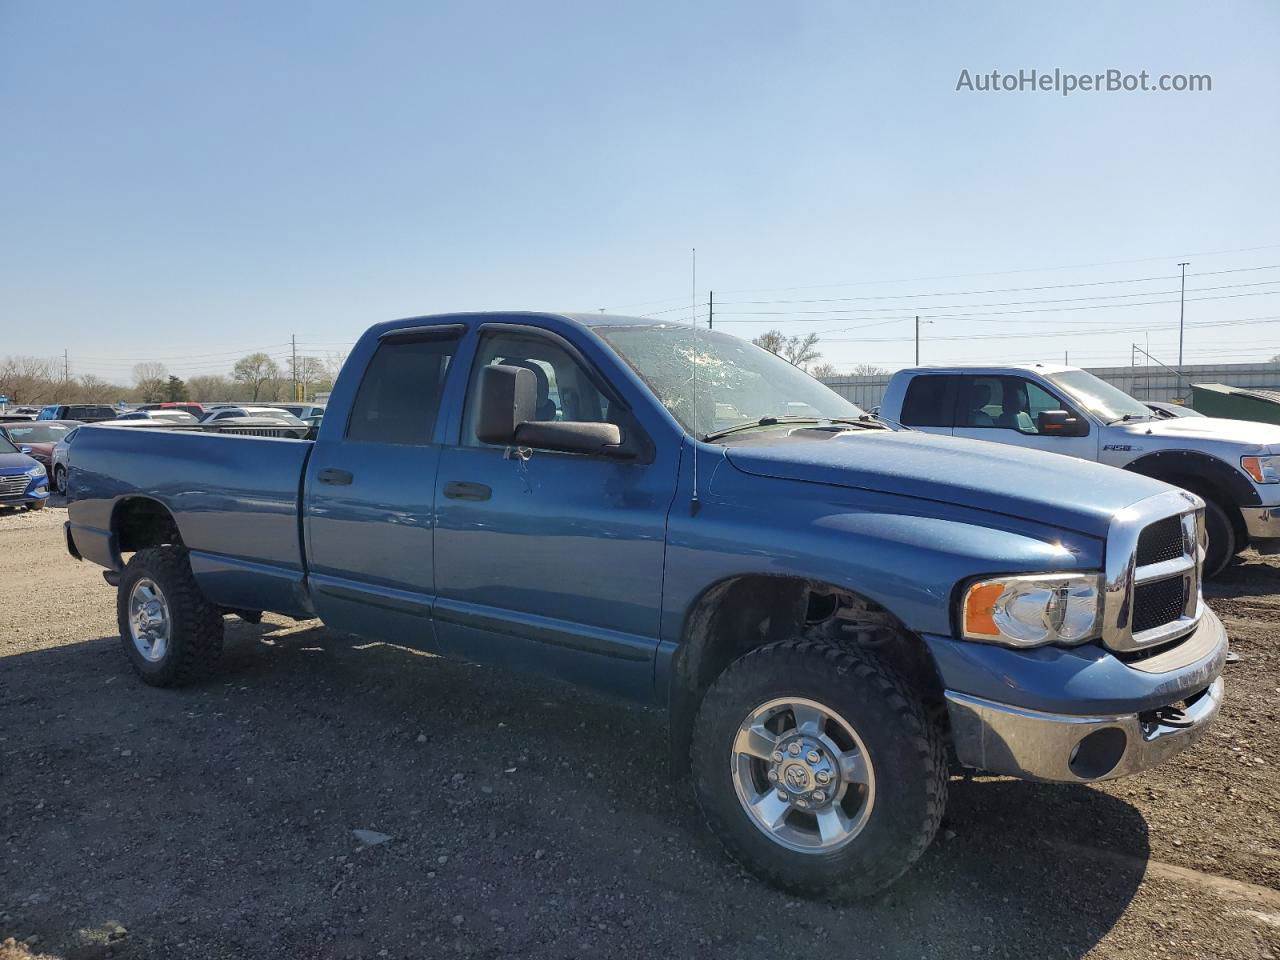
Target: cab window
399, 396
1004, 403
565, 390
930, 401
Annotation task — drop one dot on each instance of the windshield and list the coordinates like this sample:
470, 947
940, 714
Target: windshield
37, 433
737, 382
1099, 397
6, 445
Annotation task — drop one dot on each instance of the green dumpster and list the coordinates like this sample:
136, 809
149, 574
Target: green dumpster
1236, 403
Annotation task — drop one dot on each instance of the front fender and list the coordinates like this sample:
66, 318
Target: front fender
1182, 466
903, 553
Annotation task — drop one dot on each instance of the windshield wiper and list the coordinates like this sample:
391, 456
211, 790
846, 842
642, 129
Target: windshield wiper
1131, 416
771, 421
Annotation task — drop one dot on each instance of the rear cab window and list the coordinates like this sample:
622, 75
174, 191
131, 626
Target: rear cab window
930, 401
398, 401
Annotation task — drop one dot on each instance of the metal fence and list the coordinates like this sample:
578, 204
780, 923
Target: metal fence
1144, 382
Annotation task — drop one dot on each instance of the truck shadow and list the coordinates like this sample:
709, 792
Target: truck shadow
542, 816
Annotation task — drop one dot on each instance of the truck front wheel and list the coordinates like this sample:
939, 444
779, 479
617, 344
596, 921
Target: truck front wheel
818, 768
1222, 538
170, 633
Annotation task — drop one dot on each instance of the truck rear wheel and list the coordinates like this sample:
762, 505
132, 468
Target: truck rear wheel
818, 768
170, 633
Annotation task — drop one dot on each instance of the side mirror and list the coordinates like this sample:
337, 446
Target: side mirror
1061, 423
508, 398
24, 449
568, 436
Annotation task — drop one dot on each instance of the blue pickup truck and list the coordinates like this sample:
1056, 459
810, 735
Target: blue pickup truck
835, 612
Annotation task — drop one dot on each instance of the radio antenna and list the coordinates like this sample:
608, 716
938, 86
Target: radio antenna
693, 318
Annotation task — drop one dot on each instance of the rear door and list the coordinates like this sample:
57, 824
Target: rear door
370, 511
1006, 409
929, 403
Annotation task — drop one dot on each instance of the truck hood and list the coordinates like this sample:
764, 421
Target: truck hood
1040, 487
1247, 433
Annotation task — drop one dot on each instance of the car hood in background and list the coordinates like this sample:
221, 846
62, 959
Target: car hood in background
1191, 429
1040, 487
15, 462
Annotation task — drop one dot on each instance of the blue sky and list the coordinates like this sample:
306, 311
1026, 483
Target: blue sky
190, 182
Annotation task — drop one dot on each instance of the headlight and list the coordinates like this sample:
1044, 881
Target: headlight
1262, 469
37, 470
1033, 610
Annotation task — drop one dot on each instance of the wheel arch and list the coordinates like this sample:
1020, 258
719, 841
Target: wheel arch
742, 612
1205, 475
140, 521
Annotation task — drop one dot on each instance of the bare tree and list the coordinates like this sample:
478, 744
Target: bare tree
210, 387
772, 340
258, 373
30, 379
801, 352
824, 371
868, 370
150, 378
311, 374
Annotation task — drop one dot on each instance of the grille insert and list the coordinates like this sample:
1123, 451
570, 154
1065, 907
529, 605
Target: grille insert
1161, 541
1158, 603
13, 485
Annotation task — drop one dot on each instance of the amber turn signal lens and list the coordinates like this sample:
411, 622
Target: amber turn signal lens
979, 609
1253, 468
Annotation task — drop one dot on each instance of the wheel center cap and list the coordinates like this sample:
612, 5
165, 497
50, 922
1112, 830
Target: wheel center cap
797, 777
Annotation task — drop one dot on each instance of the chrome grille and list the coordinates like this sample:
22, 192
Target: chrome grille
13, 485
1155, 551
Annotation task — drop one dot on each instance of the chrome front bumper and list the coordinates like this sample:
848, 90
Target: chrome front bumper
1018, 742
1263, 523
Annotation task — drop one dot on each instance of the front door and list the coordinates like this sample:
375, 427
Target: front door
1007, 409
554, 561
370, 495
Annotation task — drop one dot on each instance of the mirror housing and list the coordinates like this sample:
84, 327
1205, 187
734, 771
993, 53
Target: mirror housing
508, 398
25, 449
569, 436
1061, 423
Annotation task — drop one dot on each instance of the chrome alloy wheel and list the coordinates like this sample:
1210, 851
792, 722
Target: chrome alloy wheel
149, 621
803, 775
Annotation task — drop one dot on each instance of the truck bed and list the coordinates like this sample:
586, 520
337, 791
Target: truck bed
235, 500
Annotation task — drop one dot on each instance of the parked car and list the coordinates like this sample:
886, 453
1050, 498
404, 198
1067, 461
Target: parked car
15, 417
81, 412
245, 410
23, 482
303, 411
248, 422
196, 410
1233, 465
1167, 411
59, 462
827, 607
171, 416
37, 438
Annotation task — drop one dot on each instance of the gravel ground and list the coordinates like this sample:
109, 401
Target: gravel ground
530, 819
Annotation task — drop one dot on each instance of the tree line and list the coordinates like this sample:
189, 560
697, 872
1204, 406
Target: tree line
256, 377
802, 351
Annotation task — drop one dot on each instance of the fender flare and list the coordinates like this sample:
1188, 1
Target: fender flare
1212, 472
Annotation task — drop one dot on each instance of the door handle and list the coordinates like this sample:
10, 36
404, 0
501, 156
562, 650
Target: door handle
463, 490
330, 475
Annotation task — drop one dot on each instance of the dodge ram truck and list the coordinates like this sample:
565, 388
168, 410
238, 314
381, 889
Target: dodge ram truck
835, 613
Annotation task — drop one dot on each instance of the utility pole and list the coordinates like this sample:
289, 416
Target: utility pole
917, 340
293, 339
1182, 304
711, 307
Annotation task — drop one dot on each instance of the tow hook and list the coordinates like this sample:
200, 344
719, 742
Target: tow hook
1170, 716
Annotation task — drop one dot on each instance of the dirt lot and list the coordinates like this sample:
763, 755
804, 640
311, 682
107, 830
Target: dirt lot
529, 819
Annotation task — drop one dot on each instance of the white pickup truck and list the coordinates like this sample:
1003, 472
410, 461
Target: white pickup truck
1233, 464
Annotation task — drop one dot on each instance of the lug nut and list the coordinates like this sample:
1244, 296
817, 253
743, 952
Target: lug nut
823, 776
818, 796
801, 802
813, 756
777, 756
773, 774
794, 749
782, 794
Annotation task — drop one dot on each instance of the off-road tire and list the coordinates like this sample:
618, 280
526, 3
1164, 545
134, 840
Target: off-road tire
195, 643
905, 748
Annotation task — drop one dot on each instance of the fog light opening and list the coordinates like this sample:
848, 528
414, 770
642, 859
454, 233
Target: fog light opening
1098, 754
